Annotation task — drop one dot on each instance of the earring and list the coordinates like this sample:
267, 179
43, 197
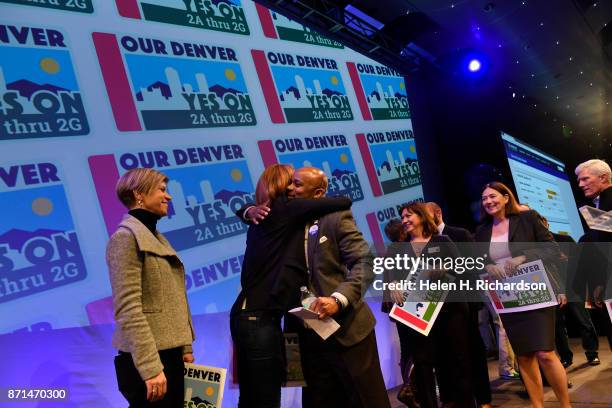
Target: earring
140, 203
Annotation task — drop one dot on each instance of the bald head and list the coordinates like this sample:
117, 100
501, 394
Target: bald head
435, 211
309, 182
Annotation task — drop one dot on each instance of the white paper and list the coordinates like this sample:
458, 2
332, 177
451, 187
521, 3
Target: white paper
323, 327
597, 219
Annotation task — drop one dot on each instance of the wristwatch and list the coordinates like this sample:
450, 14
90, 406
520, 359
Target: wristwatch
338, 302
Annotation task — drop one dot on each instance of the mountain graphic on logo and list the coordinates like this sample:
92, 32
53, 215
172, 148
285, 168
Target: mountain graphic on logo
375, 94
329, 92
385, 165
400, 95
339, 173
220, 90
199, 401
225, 195
28, 88
291, 89
15, 238
163, 87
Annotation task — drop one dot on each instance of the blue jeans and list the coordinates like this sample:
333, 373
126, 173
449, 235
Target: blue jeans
260, 357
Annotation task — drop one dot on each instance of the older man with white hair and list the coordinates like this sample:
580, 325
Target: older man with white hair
595, 180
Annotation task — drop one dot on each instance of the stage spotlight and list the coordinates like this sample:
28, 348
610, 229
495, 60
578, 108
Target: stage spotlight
474, 65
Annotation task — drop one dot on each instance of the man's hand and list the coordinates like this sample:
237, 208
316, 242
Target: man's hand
188, 358
397, 296
257, 213
562, 300
597, 296
156, 387
325, 306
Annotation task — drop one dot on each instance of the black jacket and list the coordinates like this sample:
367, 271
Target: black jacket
274, 263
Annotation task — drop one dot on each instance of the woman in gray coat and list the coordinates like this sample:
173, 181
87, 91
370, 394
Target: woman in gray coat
153, 330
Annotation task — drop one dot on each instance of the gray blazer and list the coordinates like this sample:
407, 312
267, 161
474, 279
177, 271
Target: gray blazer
149, 296
340, 260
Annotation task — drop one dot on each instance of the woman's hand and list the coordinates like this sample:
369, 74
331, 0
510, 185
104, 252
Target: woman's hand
156, 387
397, 296
188, 358
258, 213
561, 299
512, 263
496, 271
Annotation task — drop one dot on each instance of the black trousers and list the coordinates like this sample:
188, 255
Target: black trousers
260, 358
134, 389
339, 376
590, 342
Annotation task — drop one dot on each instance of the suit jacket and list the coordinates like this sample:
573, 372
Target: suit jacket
149, 296
605, 199
526, 228
340, 260
457, 234
274, 264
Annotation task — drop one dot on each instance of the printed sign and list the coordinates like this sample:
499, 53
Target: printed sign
380, 90
390, 160
162, 84
329, 153
517, 292
39, 94
203, 386
217, 15
300, 88
80, 6
39, 247
295, 375
377, 221
276, 25
207, 184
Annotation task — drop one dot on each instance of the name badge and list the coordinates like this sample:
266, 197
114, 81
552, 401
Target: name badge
433, 250
322, 239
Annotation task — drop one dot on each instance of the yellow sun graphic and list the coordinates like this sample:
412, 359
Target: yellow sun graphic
334, 80
236, 175
49, 65
402, 85
42, 206
230, 74
412, 149
535, 278
344, 158
209, 391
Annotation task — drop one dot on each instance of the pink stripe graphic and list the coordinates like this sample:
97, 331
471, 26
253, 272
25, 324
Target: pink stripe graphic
361, 97
128, 8
100, 311
377, 238
105, 175
369, 164
267, 86
402, 314
267, 25
268, 155
116, 81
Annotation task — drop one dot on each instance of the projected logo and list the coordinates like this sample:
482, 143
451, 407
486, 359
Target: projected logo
81, 6
275, 25
329, 153
39, 94
379, 219
300, 88
207, 184
381, 91
390, 160
219, 15
39, 247
172, 85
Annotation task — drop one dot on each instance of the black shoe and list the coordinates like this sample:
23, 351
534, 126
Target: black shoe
594, 361
407, 396
566, 363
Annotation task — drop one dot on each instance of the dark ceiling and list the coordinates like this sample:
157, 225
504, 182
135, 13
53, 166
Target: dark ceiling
554, 56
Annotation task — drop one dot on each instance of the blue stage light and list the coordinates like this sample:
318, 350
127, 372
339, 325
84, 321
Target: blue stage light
474, 65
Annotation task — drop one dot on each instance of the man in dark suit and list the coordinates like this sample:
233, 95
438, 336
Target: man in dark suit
343, 370
595, 181
480, 371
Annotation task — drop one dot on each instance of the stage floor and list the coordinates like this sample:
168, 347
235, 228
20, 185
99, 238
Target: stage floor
591, 385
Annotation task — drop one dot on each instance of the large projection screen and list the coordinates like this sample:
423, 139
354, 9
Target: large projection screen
542, 183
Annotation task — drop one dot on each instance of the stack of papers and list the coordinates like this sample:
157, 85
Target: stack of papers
323, 327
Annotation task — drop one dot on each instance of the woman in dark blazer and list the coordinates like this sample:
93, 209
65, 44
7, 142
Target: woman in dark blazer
273, 269
512, 233
446, 348
153, 331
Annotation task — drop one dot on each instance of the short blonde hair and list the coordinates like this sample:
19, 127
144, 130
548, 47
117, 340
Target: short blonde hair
140, 180
273, 183
596, 167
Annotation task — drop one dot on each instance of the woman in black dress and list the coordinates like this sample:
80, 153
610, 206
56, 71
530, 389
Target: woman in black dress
531, 333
